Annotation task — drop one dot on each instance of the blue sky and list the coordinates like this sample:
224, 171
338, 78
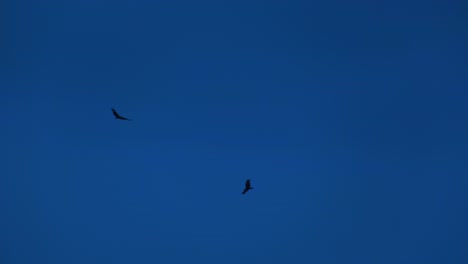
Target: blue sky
349, 117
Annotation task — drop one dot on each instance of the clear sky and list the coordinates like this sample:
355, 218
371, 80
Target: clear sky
349, 117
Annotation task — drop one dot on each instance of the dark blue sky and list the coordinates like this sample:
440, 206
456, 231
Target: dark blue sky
350, 117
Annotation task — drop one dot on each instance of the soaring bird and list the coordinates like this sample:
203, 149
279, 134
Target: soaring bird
247, 187
117, 116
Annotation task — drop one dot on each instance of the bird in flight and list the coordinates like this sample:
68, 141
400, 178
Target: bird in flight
117, 116
247, 187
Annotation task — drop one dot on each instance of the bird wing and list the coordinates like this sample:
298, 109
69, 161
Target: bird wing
115, 113
247, 186
119, 116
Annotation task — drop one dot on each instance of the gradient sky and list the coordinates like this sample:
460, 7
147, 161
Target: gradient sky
349, 117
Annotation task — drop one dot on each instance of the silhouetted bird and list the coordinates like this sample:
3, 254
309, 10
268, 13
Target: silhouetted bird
247, 187
117, 116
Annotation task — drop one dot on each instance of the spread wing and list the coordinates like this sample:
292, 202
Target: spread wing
115, 113
118, 116
247, 187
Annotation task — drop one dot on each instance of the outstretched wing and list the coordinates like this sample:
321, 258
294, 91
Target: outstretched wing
118, 116
247, 187
247, 184
115, 113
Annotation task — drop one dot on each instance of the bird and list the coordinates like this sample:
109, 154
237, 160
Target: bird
117, 116
247, 187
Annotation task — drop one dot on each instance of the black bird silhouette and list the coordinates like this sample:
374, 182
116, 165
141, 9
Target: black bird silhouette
247, 187
117, 116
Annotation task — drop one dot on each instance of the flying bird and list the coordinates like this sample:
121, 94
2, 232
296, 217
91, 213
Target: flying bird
117, 116
247, 187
